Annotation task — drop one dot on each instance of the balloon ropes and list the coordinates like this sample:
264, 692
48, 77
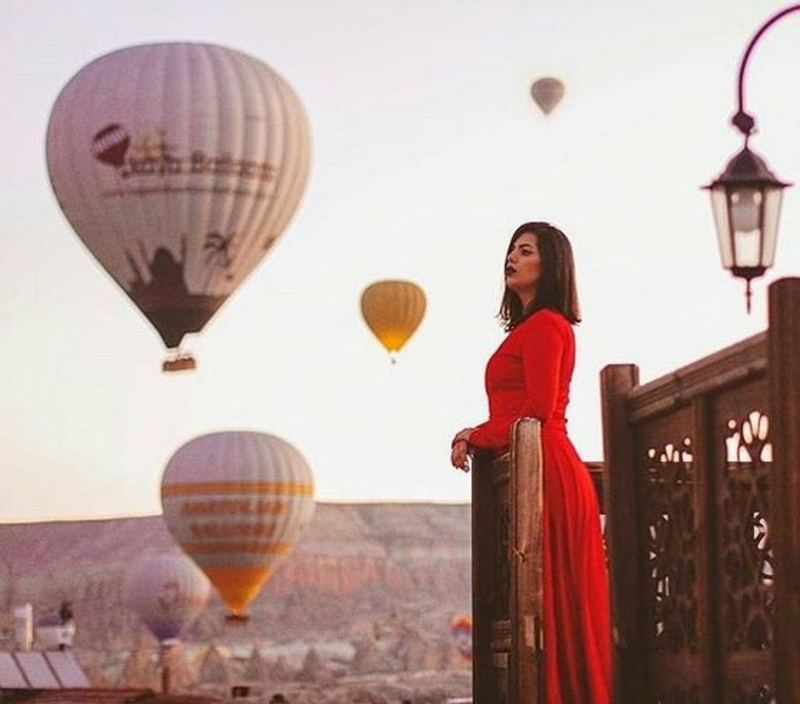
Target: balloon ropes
393, 310
167, 591
547, 93
179, 166
236, 502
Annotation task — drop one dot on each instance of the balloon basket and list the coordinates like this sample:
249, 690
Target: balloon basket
237, 619
179, 363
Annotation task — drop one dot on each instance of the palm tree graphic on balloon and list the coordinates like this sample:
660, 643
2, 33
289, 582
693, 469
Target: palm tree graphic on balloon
219, 251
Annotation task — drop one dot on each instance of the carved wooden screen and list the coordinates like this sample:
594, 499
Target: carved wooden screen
507, 571
702, 485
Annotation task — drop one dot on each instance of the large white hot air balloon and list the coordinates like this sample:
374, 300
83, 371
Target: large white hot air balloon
179, 166
168, 592
236, 502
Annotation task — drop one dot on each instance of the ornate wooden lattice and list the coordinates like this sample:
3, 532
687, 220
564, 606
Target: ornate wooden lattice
666, 487
703, 462
746, 568
670, 539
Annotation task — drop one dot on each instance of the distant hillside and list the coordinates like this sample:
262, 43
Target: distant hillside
357, 566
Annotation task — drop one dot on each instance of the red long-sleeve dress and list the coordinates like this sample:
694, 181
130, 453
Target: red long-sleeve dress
529, 376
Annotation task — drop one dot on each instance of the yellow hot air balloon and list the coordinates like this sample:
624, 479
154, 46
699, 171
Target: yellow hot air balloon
236, 502
179, 165
393, 310
547, 93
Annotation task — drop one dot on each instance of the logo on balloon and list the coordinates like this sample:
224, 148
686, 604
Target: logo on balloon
173, 597
111, 145
150, 154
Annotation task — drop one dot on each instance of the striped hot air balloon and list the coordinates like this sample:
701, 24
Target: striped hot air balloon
393, 310
168, 592
179, 166
236, 502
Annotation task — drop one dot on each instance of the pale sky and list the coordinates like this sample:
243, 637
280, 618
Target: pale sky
428, 151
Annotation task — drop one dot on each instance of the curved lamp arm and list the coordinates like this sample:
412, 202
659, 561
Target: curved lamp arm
743, 121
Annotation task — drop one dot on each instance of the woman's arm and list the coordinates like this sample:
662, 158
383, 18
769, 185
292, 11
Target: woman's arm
542, 348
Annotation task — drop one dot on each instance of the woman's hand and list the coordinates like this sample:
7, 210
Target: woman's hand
459, 452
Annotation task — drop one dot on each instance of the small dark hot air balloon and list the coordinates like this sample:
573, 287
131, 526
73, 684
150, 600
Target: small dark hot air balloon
547, 93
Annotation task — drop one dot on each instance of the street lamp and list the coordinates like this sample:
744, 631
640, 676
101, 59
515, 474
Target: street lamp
746, 197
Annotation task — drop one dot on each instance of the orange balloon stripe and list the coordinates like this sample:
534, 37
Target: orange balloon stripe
198, 488
238, 586
227, 546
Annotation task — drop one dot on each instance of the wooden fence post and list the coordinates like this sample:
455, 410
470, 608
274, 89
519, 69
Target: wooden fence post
526, 668
485, 523
706, 495
783, 348
622, 537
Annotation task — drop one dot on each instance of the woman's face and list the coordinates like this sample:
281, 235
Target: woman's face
524, 267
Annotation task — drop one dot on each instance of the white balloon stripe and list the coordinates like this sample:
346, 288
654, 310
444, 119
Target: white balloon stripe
267, 203
295, 171
187, 201
218, 278
229, 126
281, 148
208, 142
241, 198
249, 223
98, 94
147, 227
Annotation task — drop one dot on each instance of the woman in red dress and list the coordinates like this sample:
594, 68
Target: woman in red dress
529, 376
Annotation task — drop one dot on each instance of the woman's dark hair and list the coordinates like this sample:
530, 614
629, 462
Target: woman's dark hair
556, 288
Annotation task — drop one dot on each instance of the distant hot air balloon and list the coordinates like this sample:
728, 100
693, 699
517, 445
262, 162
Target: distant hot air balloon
179, 166
461, 634
236, 502
168, 592
547, 93
393, 310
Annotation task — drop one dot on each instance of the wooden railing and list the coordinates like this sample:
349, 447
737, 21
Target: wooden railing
507, 571
507, 580
702, 488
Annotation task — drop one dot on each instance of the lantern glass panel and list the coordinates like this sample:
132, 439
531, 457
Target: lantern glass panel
719, 204
772, 213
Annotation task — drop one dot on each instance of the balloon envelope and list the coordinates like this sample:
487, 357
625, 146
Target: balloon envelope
461, 634
393, 310
179, 166
547, 93
236, 502
167, 591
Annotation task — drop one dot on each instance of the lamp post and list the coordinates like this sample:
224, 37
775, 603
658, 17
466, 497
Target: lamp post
746, 196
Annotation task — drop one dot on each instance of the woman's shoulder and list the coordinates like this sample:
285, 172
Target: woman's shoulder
544, 324
545, 318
